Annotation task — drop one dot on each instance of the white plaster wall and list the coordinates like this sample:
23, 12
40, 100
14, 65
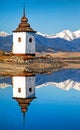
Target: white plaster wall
30, 46
23, 47
24, 83
19, 47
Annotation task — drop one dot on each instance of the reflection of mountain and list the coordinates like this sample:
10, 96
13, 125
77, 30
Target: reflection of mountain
59, 76
64, 79
4, 85
5, 82
65, 85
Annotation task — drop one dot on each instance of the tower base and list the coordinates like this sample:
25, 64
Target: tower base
24, 56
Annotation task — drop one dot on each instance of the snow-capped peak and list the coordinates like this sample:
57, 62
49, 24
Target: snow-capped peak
44, 35
3, 34
77, 33
65, 34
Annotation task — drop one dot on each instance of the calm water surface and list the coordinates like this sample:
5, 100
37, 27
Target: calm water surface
49, 102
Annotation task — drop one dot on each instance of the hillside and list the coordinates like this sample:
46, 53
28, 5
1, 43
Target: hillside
63, 41
6, 43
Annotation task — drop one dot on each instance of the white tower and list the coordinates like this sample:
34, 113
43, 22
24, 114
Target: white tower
23, 38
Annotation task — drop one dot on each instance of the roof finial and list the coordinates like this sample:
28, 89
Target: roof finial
24, 10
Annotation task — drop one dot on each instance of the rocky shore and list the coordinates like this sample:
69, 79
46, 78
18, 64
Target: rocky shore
22, 65
19, 65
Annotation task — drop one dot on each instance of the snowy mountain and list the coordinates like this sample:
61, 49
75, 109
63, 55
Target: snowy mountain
77, 33
66, 34
63, 41
5, 42
3, 34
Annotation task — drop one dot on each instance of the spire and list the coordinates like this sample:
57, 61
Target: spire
24, 10
24, 26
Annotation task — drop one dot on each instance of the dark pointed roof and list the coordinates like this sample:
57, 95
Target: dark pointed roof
24, 26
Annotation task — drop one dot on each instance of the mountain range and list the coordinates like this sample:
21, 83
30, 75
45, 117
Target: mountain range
62, 41
66, 35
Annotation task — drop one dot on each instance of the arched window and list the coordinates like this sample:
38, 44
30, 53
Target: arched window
19, 90
30, 89
30, 39
19, 39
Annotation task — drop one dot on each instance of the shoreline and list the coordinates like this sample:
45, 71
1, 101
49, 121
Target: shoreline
19, 65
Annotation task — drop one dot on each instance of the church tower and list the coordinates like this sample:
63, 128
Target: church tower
23, 38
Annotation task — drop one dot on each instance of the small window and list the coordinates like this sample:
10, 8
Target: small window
19, 90
30, 89
30, 39
19, 39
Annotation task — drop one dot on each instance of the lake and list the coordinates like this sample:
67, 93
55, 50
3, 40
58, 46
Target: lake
41, 101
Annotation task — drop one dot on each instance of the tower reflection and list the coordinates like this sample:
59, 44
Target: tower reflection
23, 91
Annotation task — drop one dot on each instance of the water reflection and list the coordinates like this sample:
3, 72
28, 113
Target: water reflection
64, 79
53, 106
23, 91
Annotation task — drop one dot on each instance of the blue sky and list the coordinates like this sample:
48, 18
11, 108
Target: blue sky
45, 16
